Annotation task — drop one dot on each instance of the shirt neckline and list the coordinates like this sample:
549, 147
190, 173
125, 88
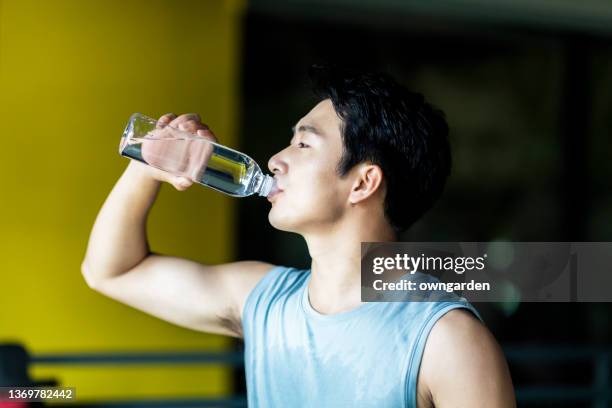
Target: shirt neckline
311, 312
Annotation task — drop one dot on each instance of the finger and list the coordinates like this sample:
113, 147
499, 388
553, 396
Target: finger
189, 125
193, 127
166, 119
181, 183
207, 133
184, 118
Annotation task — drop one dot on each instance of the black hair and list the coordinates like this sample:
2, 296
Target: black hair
396, 129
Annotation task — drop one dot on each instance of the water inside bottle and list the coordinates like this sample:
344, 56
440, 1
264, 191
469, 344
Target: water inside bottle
216, 166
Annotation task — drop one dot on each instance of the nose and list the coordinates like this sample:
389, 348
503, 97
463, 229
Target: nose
277, 165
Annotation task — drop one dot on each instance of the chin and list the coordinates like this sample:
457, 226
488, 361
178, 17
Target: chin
282, 222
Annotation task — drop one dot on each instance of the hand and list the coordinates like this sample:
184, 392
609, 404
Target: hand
174, 158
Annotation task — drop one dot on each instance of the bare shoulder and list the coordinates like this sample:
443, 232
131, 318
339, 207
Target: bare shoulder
463, 365
240, 278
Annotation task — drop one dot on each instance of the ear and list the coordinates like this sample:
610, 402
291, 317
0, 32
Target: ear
369, 180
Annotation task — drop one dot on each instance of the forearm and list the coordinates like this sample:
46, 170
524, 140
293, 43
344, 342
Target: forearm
118, 240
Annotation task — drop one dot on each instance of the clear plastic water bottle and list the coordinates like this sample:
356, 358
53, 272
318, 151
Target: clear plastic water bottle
185, 154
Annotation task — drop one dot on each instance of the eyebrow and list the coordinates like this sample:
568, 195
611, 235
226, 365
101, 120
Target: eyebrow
307, 128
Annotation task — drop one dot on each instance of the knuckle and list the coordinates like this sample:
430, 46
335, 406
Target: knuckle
207, 134
165, 119
185, 117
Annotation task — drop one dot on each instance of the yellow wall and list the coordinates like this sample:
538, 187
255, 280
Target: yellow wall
71, 73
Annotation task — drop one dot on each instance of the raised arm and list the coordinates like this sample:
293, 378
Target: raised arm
119, 264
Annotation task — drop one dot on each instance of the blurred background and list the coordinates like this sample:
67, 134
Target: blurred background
526, 87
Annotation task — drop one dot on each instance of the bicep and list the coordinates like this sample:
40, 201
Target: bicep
187, 293
464, 366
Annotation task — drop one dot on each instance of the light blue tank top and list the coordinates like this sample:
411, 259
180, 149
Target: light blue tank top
366, 357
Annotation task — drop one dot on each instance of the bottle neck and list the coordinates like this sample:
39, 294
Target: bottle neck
264, 185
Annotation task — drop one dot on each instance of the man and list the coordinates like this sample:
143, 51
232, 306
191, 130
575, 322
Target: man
363, 165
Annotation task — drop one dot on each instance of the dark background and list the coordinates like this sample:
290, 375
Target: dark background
528, 104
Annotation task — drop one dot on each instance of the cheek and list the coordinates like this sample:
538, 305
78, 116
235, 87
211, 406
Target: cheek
314, 204
315, 194
315, 181
320, 191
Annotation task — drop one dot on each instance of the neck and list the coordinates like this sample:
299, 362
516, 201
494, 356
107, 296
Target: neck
335, 284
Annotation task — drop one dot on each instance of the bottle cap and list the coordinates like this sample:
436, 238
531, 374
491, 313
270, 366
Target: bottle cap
267, 185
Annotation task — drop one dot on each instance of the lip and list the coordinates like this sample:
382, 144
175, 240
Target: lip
275, 192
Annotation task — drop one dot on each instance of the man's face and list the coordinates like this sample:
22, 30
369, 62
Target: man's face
313, 196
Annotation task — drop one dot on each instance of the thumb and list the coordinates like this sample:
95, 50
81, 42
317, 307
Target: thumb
181, 183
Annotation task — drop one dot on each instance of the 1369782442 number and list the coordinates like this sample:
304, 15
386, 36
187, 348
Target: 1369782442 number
33, 394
